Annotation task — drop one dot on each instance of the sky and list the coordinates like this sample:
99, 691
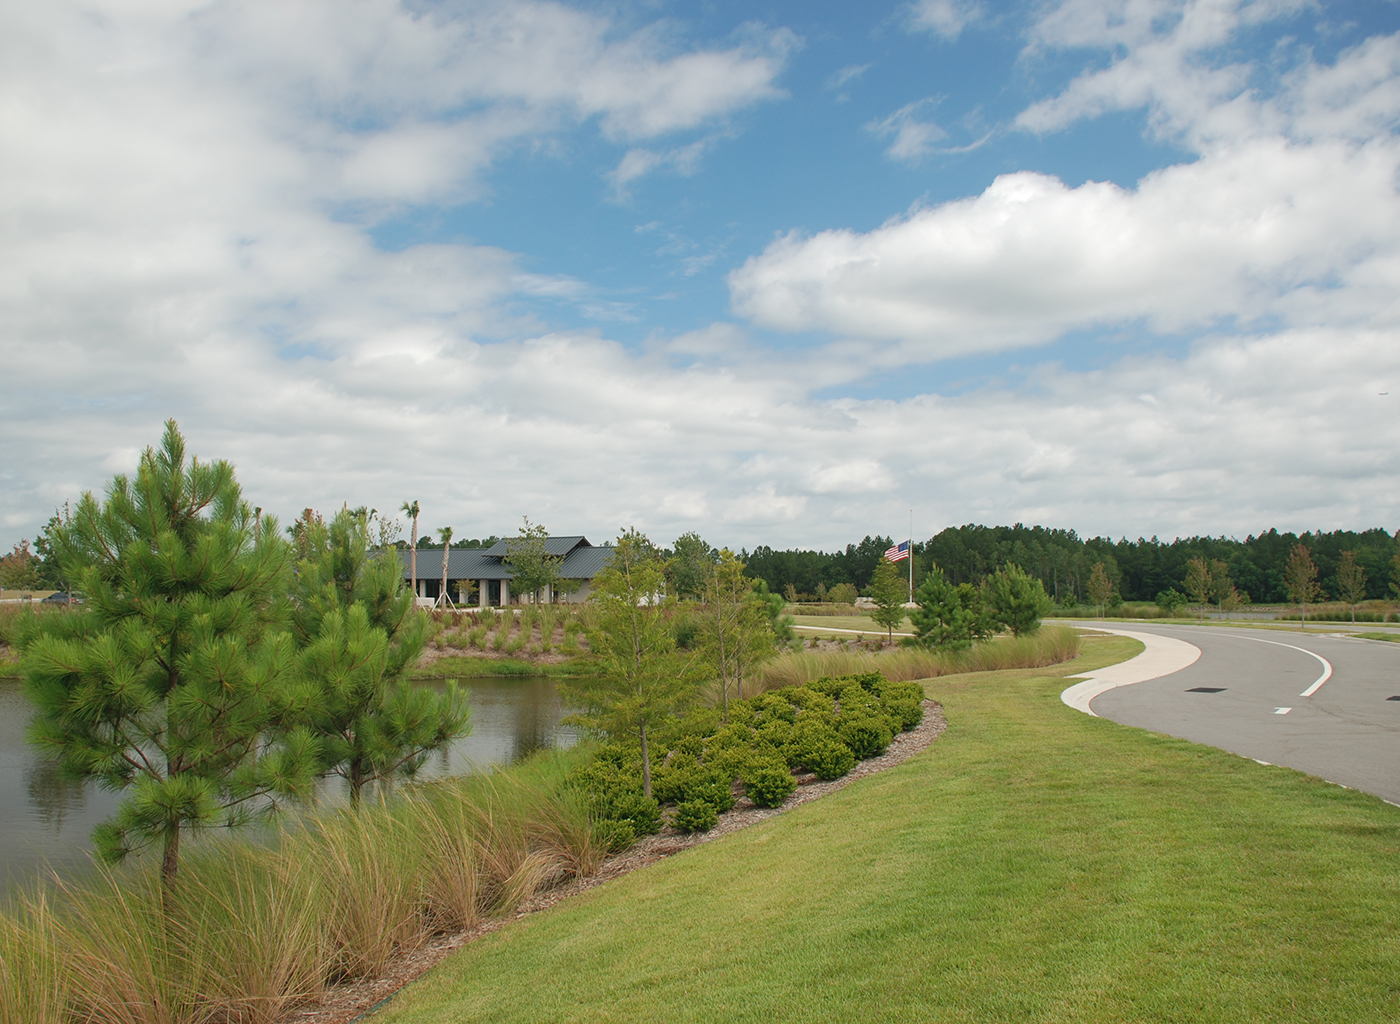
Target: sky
780, 273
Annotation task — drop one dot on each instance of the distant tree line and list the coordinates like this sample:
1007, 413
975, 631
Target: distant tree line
1138, 570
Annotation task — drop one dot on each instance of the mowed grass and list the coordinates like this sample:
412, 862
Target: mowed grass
863, 623
1035, 864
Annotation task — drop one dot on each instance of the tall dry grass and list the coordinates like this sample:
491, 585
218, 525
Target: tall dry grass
253, 929
1050, 645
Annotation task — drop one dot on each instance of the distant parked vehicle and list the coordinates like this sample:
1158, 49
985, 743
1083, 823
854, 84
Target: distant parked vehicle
62, 598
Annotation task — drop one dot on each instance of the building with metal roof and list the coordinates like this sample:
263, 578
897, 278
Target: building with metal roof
483, 573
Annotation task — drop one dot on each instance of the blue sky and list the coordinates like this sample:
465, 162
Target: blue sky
775, 272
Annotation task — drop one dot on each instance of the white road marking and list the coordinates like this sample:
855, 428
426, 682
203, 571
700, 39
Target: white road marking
1282, 711
1326, 665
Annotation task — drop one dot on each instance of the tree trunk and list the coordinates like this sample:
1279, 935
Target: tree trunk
646, 765
170, 861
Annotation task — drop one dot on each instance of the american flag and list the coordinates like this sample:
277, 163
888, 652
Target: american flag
898, 551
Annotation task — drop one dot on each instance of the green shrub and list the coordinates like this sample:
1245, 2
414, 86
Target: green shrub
614, 836
681, 779
829, 759
644, 815
768, 782
776, 733
867, 737
694, 816
907, 713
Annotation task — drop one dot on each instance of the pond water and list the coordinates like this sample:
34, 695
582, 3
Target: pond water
44, 819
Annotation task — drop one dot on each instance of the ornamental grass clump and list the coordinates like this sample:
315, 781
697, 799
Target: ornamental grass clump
253, 927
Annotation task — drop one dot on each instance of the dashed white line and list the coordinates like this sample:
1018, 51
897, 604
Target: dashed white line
1282, 711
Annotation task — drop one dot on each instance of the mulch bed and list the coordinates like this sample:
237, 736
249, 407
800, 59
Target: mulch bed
345, 1003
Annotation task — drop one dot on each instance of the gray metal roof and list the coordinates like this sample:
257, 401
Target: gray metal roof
554, 545
581, 562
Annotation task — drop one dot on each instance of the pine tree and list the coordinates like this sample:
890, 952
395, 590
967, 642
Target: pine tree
170, 681
948, 617
1016, 600
359, 632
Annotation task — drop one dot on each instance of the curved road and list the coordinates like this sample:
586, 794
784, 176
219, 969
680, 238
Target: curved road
1346, 731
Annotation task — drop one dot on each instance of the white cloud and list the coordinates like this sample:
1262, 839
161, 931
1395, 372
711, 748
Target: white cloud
945, 18
1285, 429
1289, 215
1267, 230
848, 74
636, 163
913, 138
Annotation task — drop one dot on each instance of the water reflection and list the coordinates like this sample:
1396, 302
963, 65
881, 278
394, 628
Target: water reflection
45, 817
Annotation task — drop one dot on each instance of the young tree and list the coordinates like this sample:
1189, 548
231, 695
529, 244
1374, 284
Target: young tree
949, 617
172, 679
445, 535
1016, 600
1351, 581
19, 570
1197, 582
888, 588
359, 632
642, 679
690, 568
1300, 579
736, 633
1221, 586
842, 593
410, 508
1100, 587
529, 559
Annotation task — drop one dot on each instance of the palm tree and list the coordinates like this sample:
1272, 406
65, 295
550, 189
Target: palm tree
411, 508
446, 534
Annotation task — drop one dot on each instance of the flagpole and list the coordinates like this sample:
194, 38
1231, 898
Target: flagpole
911, 554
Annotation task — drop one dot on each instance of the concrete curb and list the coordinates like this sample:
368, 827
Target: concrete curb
1163, 656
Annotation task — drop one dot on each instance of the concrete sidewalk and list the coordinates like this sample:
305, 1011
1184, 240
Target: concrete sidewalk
1163, 656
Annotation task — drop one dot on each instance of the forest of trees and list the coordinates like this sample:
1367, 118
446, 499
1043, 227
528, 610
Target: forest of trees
1139, 570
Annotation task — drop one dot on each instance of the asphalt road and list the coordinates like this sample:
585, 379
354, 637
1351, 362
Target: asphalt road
1347, 731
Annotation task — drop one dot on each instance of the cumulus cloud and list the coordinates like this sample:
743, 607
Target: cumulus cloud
1289, 214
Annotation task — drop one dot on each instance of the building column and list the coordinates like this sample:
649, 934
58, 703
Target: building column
505, 593
481, 593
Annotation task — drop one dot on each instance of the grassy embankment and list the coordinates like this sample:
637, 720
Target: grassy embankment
262, 923
1035, 864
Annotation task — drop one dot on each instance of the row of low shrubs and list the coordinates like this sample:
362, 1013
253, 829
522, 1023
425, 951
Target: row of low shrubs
824, 727
256, 925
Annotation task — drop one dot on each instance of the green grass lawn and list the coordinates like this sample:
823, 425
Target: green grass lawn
861, 622
1035, 864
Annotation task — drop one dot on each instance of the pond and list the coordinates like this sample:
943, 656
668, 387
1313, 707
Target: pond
47, 819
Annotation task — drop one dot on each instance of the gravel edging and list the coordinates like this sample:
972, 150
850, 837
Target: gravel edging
343, 1004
